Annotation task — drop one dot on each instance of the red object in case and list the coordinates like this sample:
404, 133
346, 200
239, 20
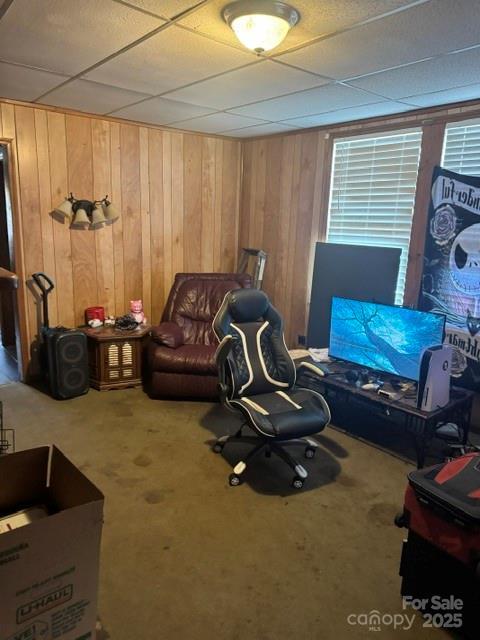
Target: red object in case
94, 313
442, 505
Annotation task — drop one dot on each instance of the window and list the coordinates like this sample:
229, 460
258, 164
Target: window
461, 149
373, 192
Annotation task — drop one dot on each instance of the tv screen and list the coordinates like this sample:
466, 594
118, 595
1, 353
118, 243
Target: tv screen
383, 337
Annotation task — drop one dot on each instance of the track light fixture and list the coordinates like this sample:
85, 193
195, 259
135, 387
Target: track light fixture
86, 214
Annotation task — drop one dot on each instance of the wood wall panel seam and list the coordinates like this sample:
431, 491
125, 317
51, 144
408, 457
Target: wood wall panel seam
143, 171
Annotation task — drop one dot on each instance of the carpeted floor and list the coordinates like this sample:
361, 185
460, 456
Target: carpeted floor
186, 557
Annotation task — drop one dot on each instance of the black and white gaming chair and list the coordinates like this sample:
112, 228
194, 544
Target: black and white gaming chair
257, 379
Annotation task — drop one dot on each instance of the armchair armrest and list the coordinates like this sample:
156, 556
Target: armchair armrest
168, 334
221, 355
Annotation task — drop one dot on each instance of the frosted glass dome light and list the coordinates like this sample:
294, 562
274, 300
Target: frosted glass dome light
260, 25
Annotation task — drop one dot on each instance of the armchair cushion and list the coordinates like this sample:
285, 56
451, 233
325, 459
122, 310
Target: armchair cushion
187, 359
168, 334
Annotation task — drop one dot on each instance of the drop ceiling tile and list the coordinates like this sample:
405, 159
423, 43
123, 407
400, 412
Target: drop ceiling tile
316, 19
23, 83
422, 31
217, 122
161, 111
303, 103
260, 130
166, 8
445, 72
458, 94
260, 81
68, 37
347, 115
168, 60
91, 97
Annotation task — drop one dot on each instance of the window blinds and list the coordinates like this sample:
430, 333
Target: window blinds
373, 191
461, 149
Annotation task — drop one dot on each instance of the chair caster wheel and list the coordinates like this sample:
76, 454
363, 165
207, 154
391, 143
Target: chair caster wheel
400, 520
217, 447
297, 482
234, 480
310, 452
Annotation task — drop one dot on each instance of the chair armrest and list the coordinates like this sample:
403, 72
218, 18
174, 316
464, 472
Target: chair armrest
221, 355
168, 334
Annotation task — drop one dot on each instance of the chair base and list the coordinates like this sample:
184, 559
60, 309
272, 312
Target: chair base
267, 446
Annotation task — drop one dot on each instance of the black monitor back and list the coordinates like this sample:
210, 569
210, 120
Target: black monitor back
348, 271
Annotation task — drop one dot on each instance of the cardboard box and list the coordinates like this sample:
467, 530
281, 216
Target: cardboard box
49, 567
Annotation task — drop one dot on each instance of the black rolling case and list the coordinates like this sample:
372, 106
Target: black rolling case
441, 557
63, 353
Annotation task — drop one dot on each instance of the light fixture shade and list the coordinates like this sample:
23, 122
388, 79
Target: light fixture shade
81, 220
260, 25
65, 210
111, 213
259, 32
98, 218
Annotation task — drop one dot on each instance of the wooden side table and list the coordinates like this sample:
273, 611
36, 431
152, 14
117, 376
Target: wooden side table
115, 357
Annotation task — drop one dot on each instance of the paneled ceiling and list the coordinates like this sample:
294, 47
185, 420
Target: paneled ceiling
176, 63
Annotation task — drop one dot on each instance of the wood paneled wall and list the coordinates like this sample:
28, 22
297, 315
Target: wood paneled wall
178, 194
284, 211
284, 202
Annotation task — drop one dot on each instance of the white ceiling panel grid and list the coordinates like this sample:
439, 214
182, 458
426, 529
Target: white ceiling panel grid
92, 97
68, 36
351, 113
163, 8
256, 82
316, 18
470, 92
161, 111
218, 122
176, 62
429, 29
304, 103
445, 72
260, 130
24, 83
168, 60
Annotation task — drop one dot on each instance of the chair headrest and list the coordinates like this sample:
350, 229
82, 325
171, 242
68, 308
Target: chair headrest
247, 305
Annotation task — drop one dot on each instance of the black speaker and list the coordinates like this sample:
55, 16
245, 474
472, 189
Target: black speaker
63, 355
66, 362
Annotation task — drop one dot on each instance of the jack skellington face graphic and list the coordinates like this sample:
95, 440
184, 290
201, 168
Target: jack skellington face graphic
465, 261
465, 270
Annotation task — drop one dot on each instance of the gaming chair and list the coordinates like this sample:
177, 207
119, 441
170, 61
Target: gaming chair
257, 379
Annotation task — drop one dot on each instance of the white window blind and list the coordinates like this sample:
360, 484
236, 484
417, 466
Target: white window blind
373, 191
461, 149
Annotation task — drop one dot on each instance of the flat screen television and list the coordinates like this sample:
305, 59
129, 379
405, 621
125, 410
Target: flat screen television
383, 337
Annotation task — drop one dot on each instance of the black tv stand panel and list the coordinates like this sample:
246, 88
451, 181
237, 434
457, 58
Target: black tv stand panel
353, 407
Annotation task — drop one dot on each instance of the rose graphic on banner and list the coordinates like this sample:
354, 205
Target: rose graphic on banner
451, 275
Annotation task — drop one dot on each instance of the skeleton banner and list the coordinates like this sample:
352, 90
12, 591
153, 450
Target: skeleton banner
451, 276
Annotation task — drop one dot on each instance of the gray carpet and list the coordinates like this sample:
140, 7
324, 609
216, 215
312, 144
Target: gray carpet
187, 557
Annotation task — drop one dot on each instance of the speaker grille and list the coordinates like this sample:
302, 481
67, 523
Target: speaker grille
68, 367
113, 355
72, 350
74, 379
127, 353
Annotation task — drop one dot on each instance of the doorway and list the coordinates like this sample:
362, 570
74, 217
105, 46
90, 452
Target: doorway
9, 335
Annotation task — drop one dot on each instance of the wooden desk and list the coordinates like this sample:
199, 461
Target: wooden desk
349, 402
115, 357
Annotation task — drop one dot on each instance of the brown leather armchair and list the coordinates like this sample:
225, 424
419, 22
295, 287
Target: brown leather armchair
181, 353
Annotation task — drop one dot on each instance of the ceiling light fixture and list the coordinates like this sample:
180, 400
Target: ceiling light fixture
260, 25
